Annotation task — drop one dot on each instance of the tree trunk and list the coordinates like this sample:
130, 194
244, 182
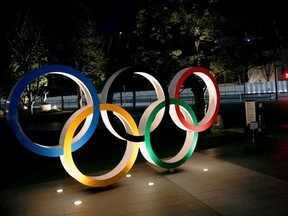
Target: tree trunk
79, 97
200, 103
198, 87
62, 102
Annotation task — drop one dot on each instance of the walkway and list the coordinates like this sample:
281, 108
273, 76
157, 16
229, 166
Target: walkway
225, 189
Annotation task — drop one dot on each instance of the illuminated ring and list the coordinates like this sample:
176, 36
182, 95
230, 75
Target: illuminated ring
214, 96
124, 165
190, 141
88, 128
162, 95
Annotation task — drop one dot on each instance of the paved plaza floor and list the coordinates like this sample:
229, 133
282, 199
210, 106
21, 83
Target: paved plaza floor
225, 189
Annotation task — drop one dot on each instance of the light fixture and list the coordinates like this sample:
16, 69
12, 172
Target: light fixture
128, 175
60, 190
151, 183
77, 202
205, 169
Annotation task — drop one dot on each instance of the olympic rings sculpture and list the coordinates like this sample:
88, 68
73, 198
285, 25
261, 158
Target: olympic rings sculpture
137, 136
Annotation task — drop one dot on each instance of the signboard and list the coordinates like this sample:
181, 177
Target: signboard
250, 110
253, 125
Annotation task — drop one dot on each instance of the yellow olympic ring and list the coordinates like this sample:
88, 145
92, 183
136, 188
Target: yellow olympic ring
121, 169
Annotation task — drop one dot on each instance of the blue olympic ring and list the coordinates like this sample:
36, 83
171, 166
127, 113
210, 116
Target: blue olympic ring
18, 89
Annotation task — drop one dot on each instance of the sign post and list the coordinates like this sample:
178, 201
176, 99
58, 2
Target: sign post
250, 110
253, 127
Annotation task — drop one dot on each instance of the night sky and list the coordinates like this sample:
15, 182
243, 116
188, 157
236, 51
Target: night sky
109, 14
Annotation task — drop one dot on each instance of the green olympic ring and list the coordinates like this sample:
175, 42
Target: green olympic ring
189, 144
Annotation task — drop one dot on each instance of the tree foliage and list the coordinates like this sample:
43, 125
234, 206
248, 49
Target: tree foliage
87, 52
32, 44
228, 38
173, 35
249, 38
27, 52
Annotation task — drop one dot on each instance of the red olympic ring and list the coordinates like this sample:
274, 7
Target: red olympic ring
214, 96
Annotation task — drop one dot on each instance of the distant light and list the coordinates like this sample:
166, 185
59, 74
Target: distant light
128, 175
205, 169
151, 183
60, 190
77, 202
